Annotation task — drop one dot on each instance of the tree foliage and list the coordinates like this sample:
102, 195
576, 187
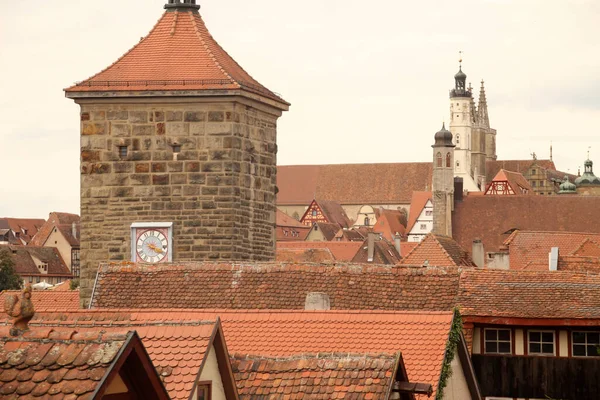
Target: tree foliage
9, 280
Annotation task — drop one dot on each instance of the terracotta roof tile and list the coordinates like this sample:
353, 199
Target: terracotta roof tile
328, 230
49, 300
530, 294
420, 336
55, 219
178, 54
384, 253
318, 376
503, 214
342, 251
579, 263
275, 286
530, 249
417, 204
26, 265
32, 366
24, 228
322, 255
437, 250
517, 182
389, 223
520, 166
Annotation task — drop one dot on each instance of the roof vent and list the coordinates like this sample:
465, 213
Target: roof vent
317, 301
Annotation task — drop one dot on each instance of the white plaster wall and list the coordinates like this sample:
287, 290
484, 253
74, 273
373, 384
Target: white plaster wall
498, 261
210, 372
519, 342
457, 388
56, 239
417, 233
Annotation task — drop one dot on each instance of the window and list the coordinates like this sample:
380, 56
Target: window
439, 159
541, 342
448, 165
497, 341
457, 138
423, 227
75, 262
585, 344
204, 391
533, 172
429, 213
314, 213
367, 221
533, 183
122, 151
176, 148
37, 279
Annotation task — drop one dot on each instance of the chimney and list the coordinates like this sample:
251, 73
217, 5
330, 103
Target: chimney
553, 259
478, 253
317, 301
458, 189
74, 230
371, 246
397, 244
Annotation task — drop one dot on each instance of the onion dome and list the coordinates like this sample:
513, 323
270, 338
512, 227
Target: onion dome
567, 187
588, 178
443, 138
460, 75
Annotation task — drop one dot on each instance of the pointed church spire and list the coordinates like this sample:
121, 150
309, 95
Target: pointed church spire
482, 111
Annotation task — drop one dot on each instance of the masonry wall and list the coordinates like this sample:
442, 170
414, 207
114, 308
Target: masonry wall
219, 190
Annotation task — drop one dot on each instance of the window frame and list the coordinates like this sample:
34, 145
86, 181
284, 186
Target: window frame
204, 385
586, 344
541, 343
497, 341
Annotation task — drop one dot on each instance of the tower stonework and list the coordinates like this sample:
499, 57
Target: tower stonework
443, 182
176, 131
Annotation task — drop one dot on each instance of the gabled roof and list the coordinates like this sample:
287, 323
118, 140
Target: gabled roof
317, 376
25, 264
329, 230
56, 219
49, 300
342, 251
322, 255
177, 347
23, 228
389, 223
530, 249
179, 54
555, 295
417, 204
282, 219
289, 229
332, 211
515, 180
64, 363
384, 253
579, 263
520, 166
274, 286
438, 250
420, 336
490, 218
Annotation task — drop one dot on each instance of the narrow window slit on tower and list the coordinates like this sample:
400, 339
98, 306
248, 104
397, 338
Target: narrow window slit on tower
122, 151
176, 148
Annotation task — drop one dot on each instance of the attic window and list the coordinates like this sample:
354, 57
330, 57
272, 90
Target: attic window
204, 391
314, 213
122, 151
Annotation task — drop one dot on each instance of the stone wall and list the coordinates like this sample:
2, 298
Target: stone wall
219, 190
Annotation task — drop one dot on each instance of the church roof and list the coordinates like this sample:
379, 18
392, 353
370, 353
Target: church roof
178, 54
520, 166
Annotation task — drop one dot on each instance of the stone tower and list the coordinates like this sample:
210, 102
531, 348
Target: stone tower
175, 133
478, 141
443, 182
483, 121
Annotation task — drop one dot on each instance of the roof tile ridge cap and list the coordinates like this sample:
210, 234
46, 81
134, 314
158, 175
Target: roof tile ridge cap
446, 251
192, 16
123, 56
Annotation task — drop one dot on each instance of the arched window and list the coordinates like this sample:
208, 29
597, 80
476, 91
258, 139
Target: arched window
367, 220
439, 159
448, 165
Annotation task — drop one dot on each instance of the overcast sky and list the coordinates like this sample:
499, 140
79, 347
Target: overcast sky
368, 80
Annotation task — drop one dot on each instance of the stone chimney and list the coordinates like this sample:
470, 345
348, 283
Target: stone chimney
371, 246
553, 259
74, 230
397, 244
317, 301
478, 253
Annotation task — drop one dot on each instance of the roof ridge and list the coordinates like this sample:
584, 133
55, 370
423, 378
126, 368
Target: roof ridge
444, 249
192, 16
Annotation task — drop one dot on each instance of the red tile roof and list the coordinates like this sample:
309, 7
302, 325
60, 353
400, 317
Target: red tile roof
328, 230
530, 294
437, 250
420, 336
515, 180
49, 300
579, 263
417, 204
25, 265
520, 166
58, 363
489, 218
384, 253
56, 219
530, 249
322, 255
23, 228
319, 376
342, 251
178, 54
407, 247
274, 286
389, 223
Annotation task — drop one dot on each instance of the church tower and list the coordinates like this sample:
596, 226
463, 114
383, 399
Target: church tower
178, 153
478, 141
443, 182
462, 119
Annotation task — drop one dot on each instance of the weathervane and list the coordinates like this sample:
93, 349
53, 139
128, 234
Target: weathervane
460, 54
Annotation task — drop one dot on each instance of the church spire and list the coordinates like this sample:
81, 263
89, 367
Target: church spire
482, 111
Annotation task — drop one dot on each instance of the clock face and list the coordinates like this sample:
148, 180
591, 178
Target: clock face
152, 245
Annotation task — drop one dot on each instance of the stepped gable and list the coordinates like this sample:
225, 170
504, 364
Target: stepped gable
318, 376
421, 336
48, 300
493, 218
530, 294
438, 250
274, 286
179, 54
530, 249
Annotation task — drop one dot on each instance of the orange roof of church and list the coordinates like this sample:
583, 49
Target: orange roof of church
179, 53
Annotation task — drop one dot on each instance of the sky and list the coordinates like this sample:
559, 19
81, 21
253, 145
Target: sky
368, 80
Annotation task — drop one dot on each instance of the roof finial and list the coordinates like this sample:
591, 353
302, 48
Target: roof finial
460, 54
551, 150
589, 147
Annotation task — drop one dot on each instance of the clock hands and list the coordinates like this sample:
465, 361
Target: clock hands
155, 248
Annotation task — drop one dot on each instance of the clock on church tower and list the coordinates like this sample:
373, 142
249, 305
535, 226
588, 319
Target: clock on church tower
152, 242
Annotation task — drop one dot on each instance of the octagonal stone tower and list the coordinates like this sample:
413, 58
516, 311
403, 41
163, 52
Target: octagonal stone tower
176, 131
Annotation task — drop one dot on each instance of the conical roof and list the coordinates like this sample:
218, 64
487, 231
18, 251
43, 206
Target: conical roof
178, 54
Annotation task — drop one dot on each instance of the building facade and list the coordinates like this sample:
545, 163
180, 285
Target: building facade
178, 159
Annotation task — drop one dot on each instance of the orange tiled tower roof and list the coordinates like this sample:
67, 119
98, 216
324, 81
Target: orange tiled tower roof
179, 54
